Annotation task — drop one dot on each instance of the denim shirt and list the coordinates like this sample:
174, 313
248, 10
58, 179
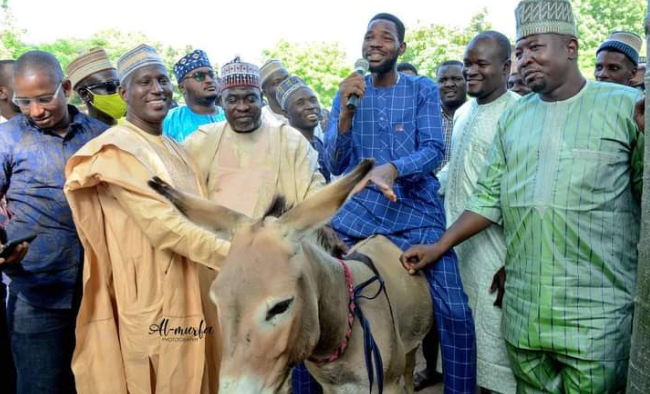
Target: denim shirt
32, 179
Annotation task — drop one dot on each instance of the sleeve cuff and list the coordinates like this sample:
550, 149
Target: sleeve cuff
402, 167
492, 214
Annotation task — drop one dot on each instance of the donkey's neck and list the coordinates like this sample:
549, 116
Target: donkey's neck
333, 302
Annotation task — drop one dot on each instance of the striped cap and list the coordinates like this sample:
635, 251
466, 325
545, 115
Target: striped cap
286, 88
88, 63
141, 56
269, 68
545, 17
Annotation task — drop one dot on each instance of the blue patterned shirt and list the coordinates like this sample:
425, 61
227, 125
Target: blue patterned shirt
401, 125
32, 179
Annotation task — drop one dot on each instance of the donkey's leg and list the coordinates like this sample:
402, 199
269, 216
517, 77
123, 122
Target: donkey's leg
394, 387
408, 371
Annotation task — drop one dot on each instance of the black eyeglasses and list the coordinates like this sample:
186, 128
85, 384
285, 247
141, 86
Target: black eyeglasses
109, 86
199, 76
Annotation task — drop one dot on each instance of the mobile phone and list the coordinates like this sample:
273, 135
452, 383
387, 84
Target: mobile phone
7, 249
413, 260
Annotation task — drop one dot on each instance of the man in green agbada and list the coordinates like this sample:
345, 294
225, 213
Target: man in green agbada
560, 178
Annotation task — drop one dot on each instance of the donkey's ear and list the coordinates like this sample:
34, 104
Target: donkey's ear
199, 210
317, 210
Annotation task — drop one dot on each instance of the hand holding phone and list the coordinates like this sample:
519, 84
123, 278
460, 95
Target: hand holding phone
8, 250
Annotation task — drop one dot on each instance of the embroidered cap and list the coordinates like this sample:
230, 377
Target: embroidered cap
269, 68
88, 63
141, 56
238, 73
544, 17
288, 87
187, 63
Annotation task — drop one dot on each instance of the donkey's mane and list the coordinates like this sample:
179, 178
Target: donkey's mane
326, 239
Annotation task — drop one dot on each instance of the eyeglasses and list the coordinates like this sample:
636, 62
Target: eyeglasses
199, 76
110, 87
42, 100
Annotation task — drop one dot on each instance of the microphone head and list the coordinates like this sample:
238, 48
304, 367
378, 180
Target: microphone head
361, 66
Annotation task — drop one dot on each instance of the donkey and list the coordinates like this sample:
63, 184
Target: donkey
282, 299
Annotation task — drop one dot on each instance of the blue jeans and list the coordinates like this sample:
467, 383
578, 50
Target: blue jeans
42, 342
7, 371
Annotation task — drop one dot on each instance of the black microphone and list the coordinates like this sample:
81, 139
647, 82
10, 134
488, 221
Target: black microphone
361, 66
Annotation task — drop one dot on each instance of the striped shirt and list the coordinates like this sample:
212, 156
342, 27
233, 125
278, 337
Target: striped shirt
448, 128
559, 177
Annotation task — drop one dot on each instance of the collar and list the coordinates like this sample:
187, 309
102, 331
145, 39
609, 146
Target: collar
348, 332
76, 118
444, 114
316, 140
397, 81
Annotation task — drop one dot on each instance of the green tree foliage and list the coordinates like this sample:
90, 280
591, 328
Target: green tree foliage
321, 65
429, 45
11, 45
598, 18
115, 42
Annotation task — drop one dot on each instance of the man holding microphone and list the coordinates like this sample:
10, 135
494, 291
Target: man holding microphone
397, 121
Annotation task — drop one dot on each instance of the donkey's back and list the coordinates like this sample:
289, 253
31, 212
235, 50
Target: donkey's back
409, 295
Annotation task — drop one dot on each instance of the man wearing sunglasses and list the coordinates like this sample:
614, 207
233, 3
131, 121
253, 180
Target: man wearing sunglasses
44, 289
95, 80
199, 85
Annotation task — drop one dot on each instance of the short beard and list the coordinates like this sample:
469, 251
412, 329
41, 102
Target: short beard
207, 100
384, 68
254, 126
454, 104
538, 87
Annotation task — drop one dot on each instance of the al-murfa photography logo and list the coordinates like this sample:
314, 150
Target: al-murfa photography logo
180, 333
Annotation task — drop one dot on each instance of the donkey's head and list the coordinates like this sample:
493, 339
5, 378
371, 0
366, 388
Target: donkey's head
266, 292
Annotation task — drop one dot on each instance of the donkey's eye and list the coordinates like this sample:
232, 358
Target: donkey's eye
279, 308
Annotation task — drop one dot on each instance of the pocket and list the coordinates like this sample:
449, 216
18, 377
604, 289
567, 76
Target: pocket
402, 138
594, 174
596, 155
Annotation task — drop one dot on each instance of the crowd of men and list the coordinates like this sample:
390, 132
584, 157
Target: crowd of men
519, 204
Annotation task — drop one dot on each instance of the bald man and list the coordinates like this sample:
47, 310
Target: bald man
44, 289
7, 108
